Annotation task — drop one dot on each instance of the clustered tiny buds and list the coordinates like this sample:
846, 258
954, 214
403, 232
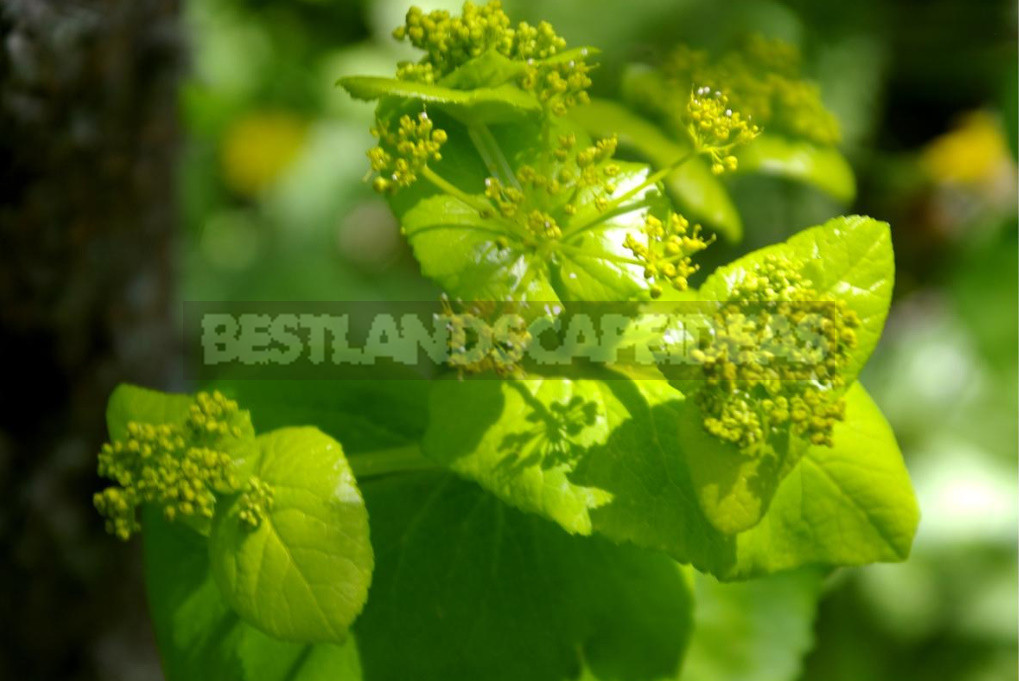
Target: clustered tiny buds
716, 128
479, 347
773, 384
583, 170
401, 154
180, 468
762, 78
255, 501
451, 41
666, 251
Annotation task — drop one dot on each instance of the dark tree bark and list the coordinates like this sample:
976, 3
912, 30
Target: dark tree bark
88, 134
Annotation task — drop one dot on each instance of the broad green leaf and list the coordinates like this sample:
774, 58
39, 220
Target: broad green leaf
698, 194
133, 403
752, 631
595, 456
492, 105
303, 573
848, 257
587, 267
201, 637
626, 475
824, 167
851, 504
467, 588
523, 441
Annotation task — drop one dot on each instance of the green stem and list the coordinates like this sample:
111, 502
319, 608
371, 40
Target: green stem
491, 154
482, 206
389, 461
619, 259
605, 217
454, 191
652, 179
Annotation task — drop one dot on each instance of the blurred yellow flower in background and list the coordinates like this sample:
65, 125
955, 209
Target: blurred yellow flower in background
975, 152
258, 147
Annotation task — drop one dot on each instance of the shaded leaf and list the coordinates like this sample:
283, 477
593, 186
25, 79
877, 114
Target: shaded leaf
752, 631
626, 475
467, 588
800, 160
201, 637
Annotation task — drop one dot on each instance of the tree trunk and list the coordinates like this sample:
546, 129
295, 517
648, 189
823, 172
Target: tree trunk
88, 134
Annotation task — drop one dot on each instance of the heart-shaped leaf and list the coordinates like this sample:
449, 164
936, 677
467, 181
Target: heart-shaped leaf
800, 160
301, 573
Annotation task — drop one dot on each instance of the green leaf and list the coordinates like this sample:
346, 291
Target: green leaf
734, 490
523, 441
457, 248
492, 105
752, 631
478, 258
467, 588
363, 415
800, 160
489, 70
851, 504
303, 573
588, 267
698, 194
626, 475
201, 637
848, 257
133, 403
594, 456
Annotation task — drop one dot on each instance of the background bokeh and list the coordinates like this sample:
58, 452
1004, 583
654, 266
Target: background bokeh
234, 171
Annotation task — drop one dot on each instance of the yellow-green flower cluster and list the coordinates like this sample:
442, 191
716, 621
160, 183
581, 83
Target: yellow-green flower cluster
451, 41
763, 79
180, 468
716, 128
528, 204
476, 345
543, 226
775, 360
402, 153
255, 501
666, 250
559, 85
